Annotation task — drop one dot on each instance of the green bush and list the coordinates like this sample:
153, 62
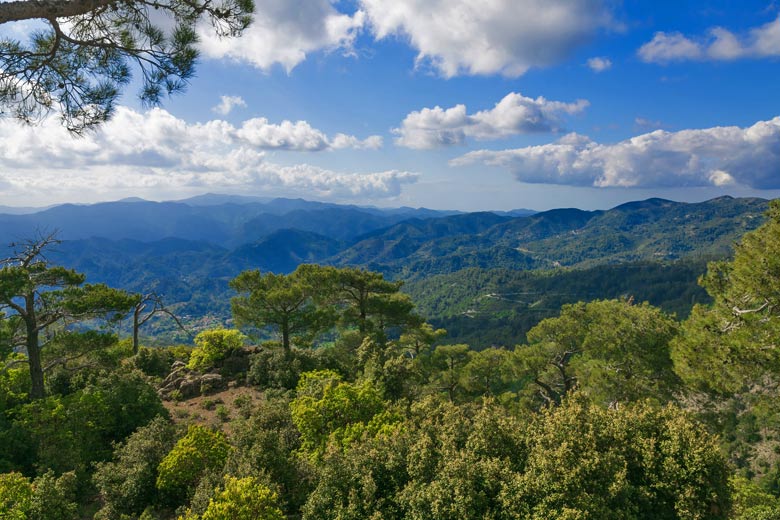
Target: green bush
54, 498
127, 483
15, 496
272, 367
325, 406
213, 346
45, 498
154, 361
65, 433
243, 499
195, 453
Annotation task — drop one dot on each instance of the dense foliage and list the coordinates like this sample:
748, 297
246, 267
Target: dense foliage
484, 307
358, 408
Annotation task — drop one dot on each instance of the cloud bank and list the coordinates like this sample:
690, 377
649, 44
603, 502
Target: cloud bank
514, 114
284, 32
452, 37
298, 136
491, 36
157, 151
719, 44
709, 157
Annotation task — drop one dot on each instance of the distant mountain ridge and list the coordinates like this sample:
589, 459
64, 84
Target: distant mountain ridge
228, 221
402, 242
654, 229
189, 253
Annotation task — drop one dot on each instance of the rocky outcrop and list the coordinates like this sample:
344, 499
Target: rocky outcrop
183, 383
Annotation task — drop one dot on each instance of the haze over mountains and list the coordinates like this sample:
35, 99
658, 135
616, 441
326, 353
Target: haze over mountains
188, 250
225, 220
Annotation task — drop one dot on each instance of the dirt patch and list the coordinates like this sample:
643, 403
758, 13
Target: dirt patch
217, 409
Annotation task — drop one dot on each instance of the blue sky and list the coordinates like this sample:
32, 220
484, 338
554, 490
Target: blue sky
458, 104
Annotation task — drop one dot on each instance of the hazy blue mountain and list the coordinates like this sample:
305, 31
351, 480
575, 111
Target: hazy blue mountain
282, 251
520, 212
216, 199
20, 210
189, 253
654, 229
402, 240
225, 220
340, 223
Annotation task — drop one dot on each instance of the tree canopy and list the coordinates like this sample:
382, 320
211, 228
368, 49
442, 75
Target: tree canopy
40, 296
88, 50
732, 344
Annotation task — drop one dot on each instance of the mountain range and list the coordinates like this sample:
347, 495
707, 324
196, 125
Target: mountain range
224, 220
188, 250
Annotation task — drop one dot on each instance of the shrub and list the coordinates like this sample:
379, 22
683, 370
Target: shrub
212, 346
272, 367
195, 453
15, 496
243, 499
127, 483
154, 361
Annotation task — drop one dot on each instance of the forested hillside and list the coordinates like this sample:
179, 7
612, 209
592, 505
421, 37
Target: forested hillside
359, 408
188, 251
484, 307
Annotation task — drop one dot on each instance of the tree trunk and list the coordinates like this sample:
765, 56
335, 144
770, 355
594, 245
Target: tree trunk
286, 336
136, 326
34, 360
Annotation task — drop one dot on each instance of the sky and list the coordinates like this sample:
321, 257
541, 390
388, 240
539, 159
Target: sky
447, 104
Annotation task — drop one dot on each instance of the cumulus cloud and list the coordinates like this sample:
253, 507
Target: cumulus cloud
451, 36
283, 32
227, 104
709, 157
299, 136
372, 142
514, 114
719, 44
599, 64
491, 36
157, 151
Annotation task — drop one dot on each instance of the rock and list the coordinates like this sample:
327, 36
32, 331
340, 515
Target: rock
211, 382
189, 387
171, 385
176, 374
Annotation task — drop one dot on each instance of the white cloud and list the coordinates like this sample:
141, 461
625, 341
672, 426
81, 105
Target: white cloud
490, 36
155, 151
643, 122
286, 135
514, 114
227, 104
452, 36
284, 31
719, 44
372, 142
664, 48
299, 136
710, 157
599, 64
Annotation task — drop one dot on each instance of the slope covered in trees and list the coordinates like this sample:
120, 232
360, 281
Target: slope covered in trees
484, 307
188, 251
608, 409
